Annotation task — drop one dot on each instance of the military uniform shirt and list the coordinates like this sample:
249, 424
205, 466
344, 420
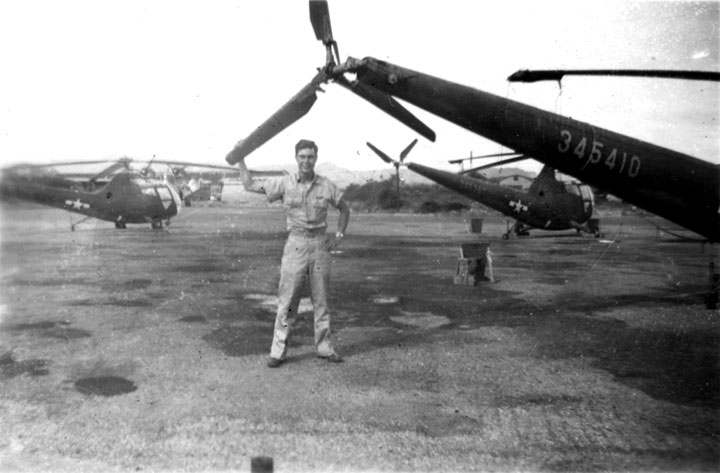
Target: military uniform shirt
306, 203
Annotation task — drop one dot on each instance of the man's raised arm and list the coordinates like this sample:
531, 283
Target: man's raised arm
248, 183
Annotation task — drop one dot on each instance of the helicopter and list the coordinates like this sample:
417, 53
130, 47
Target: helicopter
207, 184
116, 194
548, 204
679, 187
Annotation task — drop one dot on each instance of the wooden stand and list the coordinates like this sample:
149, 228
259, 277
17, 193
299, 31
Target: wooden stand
474, 264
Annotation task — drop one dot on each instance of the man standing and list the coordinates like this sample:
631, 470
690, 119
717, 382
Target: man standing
306, 197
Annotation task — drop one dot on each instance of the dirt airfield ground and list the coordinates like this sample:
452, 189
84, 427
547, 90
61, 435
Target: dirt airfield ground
140, 350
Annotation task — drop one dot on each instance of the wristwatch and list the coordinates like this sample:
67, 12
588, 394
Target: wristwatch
339, 235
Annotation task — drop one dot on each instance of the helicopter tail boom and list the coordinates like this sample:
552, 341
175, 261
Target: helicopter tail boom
641, 173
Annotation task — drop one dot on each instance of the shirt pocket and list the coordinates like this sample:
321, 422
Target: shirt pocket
292, 199
318, 208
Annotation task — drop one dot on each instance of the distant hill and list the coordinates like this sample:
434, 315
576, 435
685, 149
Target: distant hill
344, 177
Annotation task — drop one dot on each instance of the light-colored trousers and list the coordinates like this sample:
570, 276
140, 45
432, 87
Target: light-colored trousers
303, 257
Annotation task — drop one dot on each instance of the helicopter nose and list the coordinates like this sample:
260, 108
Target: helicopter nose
175, 198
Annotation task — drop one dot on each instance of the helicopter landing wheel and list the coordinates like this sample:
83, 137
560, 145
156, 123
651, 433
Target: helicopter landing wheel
156, 224
120, 225
73, 225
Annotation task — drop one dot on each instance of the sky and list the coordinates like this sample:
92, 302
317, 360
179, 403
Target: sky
185, 80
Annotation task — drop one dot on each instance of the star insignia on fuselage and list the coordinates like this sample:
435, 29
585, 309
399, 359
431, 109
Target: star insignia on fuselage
518, 206
77, 204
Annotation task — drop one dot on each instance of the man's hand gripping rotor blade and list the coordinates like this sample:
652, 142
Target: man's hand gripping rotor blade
288, 114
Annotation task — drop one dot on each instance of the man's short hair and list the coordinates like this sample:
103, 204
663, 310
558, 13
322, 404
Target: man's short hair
303, 144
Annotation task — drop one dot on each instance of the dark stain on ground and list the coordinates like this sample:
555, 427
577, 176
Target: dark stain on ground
537, 399
50, 282
158, 296
581, 302
238, 310
566, 252
66, 333
543, 266
241, 341
105, 385
128, 302
553, 280
302, 331
53, 329
633, 259
113, 301
43, 325
683, 367
133, 284
390, 337
262, 314
193, 319
220, 279
85, 302
208, 267
434, 424
10, 367
595, 458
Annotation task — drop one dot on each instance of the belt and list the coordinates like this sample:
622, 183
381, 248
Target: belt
308, 232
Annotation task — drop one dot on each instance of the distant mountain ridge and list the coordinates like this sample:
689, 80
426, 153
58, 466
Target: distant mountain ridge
344, 177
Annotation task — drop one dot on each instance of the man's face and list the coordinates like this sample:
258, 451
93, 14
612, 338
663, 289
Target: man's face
306, 158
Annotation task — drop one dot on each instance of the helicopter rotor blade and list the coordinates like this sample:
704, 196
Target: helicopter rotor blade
407, 150
526, 75
65, 163
382, 155
388, 105
483, 156
123, 163
301, 103
320, 19
498, 163
186, 164
288, 114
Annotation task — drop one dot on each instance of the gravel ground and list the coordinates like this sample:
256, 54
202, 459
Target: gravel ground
140, 350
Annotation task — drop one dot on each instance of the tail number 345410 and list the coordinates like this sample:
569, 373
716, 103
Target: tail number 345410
594, 152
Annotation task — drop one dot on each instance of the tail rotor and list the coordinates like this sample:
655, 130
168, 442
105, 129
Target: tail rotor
395, 163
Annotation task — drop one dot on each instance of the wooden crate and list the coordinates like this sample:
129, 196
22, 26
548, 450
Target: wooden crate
474, 264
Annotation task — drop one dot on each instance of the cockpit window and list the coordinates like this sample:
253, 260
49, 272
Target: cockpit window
572, 188
164, 193
586, 192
